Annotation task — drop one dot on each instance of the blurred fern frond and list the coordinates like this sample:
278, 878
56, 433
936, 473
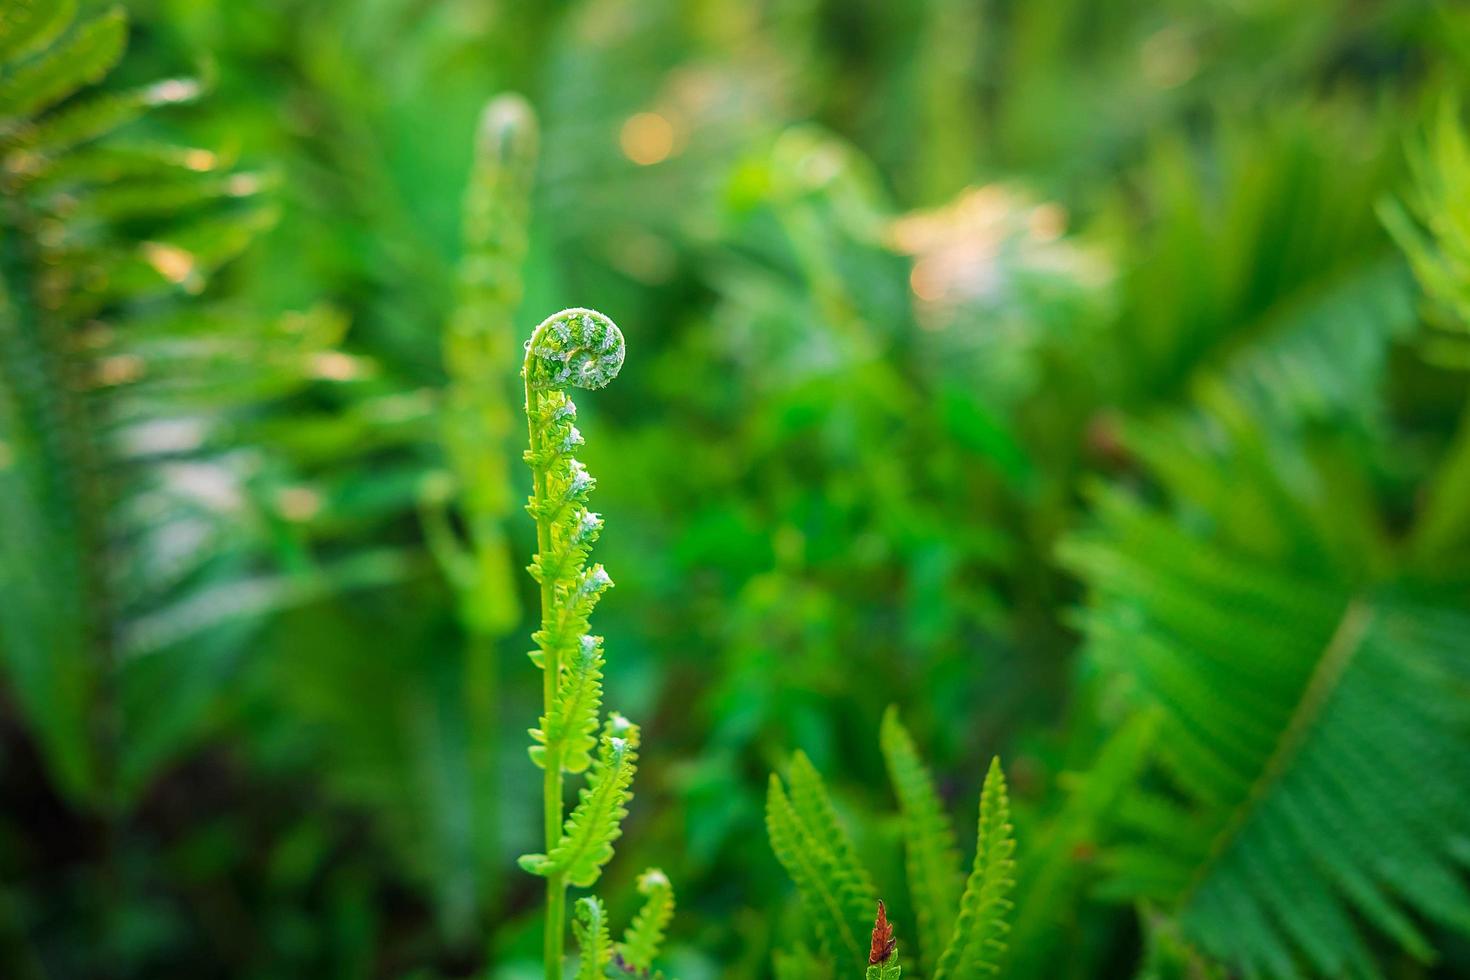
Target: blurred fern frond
1432, 226
1315, 732
128, 490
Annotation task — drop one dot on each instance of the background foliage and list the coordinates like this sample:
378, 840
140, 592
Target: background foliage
1087, 379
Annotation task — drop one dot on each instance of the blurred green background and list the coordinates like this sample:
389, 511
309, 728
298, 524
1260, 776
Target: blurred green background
978, 350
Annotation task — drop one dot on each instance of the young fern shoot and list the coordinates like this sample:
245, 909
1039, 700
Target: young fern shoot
962, 931
479, 352
576, 348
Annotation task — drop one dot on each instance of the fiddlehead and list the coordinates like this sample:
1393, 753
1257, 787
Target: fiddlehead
575, 348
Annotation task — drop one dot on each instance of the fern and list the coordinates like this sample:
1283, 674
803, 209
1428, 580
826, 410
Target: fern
645, 935
815, 851
1317, 731
1432, 228
589, 926
980, 930
95, 229
479, 350
834, 888
933, 859
582, 349
585, 844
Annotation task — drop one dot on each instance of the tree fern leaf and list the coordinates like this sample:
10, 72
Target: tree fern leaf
589, 926
80, 59
645, 935
979, 941
1349, 812
935, 881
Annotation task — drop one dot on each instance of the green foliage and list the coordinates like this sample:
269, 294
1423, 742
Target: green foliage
1432, 228
920, 290
589, 925
833, 886
979, 938
933, 860
119, 422
585, 844
1264, 734
645, 934
815, 851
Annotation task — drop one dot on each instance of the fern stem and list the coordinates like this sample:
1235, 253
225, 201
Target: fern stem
556, 888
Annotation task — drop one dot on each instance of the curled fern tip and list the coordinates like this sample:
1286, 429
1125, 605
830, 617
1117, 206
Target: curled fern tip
576, 348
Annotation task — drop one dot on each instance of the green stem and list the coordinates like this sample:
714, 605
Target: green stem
556, 889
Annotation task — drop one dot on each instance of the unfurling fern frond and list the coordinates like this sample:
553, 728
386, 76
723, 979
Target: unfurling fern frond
933, 859
480, 352
1317, 730
575, 348
589, 926
94, 229
645, 935
979, 939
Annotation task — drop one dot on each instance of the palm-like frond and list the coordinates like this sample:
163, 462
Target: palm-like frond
1318, 735
113, 421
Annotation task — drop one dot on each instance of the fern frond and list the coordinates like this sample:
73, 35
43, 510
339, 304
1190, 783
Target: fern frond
934, 875
589, 926
808, 861
587, 838
979, 939
480, 351
645, 935
1319, 733
837, 856
77, 204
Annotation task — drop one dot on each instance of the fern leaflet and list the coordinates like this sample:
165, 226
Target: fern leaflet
984, 918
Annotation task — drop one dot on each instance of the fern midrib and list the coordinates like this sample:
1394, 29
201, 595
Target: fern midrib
1336, 657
